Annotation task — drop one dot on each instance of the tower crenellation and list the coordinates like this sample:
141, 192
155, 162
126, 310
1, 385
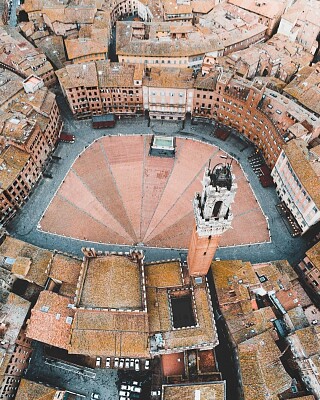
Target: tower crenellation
212, 208
213, 216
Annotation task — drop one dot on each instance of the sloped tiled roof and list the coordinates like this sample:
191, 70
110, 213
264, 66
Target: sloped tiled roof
110, 333
297, 154
263, 375
204, 391
29, 390
51, 320
40, 258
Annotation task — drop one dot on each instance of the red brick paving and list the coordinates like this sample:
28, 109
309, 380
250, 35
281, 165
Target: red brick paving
98, 177
116, 193
181, 207
156, 174
126, 156
191, 158
179, 232
63, 218
77, 193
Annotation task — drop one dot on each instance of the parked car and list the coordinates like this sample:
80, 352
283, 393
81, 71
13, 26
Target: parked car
116, 362
124, 394
108, 362
95, 396
131, 362
121, 363
137, 364
98, 362
147, 364
127, 363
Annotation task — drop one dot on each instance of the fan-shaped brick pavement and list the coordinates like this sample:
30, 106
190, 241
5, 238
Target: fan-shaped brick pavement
116, 193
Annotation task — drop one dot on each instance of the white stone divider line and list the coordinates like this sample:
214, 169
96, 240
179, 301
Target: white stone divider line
71, 368
39, 228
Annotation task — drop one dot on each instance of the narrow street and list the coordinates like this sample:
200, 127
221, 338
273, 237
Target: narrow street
24, 226
76, 379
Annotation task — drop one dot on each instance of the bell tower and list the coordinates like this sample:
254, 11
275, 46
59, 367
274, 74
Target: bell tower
212, 216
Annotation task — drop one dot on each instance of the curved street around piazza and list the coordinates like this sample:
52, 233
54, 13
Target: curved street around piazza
26, 225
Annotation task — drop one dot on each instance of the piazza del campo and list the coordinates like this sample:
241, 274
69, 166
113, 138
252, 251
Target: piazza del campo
160, 199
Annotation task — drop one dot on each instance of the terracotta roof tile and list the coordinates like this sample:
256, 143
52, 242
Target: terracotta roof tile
232, 278
244, 325
116, 74
66, 270
21, 266
173, 7
309, 341
267, 8
305, 87
75, 75
12, 161
112, 282
164, 275
169, 77
314, 255
202, 6
263, 374
95, 43
158, 310
29, 390
180, 48
40, 258
298, 156
204, 334
51, 320
279, 275
207, 391
110, 333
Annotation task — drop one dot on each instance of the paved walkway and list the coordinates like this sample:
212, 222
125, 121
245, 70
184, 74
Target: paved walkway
116, 193
24, 226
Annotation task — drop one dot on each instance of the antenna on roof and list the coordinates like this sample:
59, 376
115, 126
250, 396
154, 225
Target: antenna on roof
209, 163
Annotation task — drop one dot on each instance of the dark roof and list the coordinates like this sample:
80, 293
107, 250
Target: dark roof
103, 118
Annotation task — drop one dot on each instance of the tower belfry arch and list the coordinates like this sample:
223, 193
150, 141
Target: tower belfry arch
213, 216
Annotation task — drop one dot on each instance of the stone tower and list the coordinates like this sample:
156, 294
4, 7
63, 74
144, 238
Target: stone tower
212, 216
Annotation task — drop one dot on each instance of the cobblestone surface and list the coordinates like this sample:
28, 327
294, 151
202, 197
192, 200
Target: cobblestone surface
24, 226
